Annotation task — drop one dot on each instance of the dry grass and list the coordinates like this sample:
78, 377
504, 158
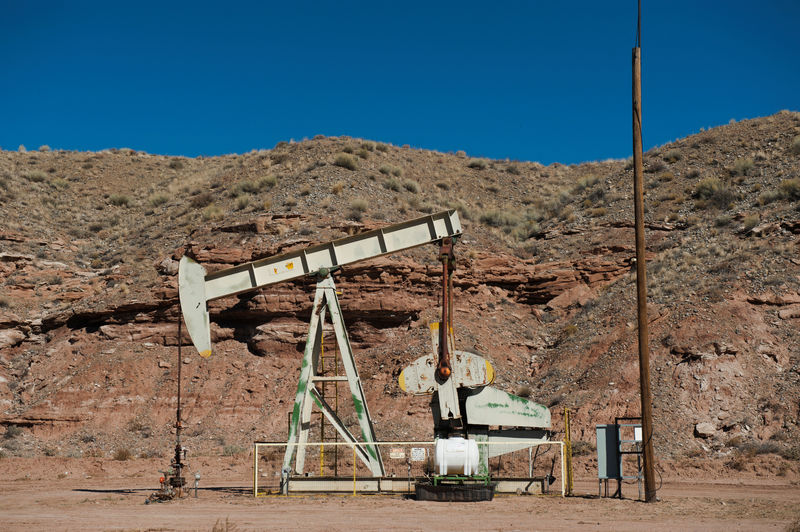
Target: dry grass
713, 192
119, 200
742, 167
346, 161
122, 454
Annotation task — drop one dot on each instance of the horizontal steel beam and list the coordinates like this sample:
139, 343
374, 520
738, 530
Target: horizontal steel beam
196, 288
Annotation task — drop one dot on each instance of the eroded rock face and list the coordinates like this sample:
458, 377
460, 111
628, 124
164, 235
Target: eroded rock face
90, 357
11, 338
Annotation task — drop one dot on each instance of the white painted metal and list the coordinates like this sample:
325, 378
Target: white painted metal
196, 288
191, 290
307, 395
456, 456
491, 406
468, 369
510, 440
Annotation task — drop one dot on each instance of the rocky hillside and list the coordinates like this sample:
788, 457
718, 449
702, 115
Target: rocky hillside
89, 244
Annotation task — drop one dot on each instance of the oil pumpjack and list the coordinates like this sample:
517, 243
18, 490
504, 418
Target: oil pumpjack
465, 408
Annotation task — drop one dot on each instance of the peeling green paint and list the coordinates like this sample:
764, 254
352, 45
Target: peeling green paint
358, 406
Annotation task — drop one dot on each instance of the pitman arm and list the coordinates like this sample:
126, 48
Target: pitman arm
196, 288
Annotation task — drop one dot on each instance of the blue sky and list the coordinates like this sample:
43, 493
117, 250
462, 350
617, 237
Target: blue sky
541, 81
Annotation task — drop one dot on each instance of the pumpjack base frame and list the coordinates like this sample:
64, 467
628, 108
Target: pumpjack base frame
398, 485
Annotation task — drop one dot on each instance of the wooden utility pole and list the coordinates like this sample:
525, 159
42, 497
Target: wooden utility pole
641, 275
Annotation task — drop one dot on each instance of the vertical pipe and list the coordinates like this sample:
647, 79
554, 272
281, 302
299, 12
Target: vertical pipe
568, 445
178, 426
641, 282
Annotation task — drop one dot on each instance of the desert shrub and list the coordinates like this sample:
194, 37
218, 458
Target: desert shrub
723, 220
348, 149
499, 218
597, 212
478, 164
411, 186
201, 200
346, 161
267, 182
367, 145
768, 196
713, 192
22, 149
738, 462
526, 230
666, 177
212, 212
363, 153
231, 450
357, 209
750, 221
119, 200
4, 302
359, 205
742, 166
752, 448
122, 454
392, 184
582, 448
279, 158
382, 147
791, 453
790, 188
36, 176
242, 202
672, 156
44, 148
655, 166
388, 169
158, 199
246, 187
794, 147
570, 330
12, 431
176, 164
337, 188
444, 185
586, 182
514, 170
59, 183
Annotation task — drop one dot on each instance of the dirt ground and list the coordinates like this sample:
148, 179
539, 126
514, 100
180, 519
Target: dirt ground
72, 494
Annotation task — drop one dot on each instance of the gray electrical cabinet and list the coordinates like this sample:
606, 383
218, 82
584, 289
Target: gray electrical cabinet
611, 450
609, 462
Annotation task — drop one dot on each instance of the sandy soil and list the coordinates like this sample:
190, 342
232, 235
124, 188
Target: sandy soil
58, 494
